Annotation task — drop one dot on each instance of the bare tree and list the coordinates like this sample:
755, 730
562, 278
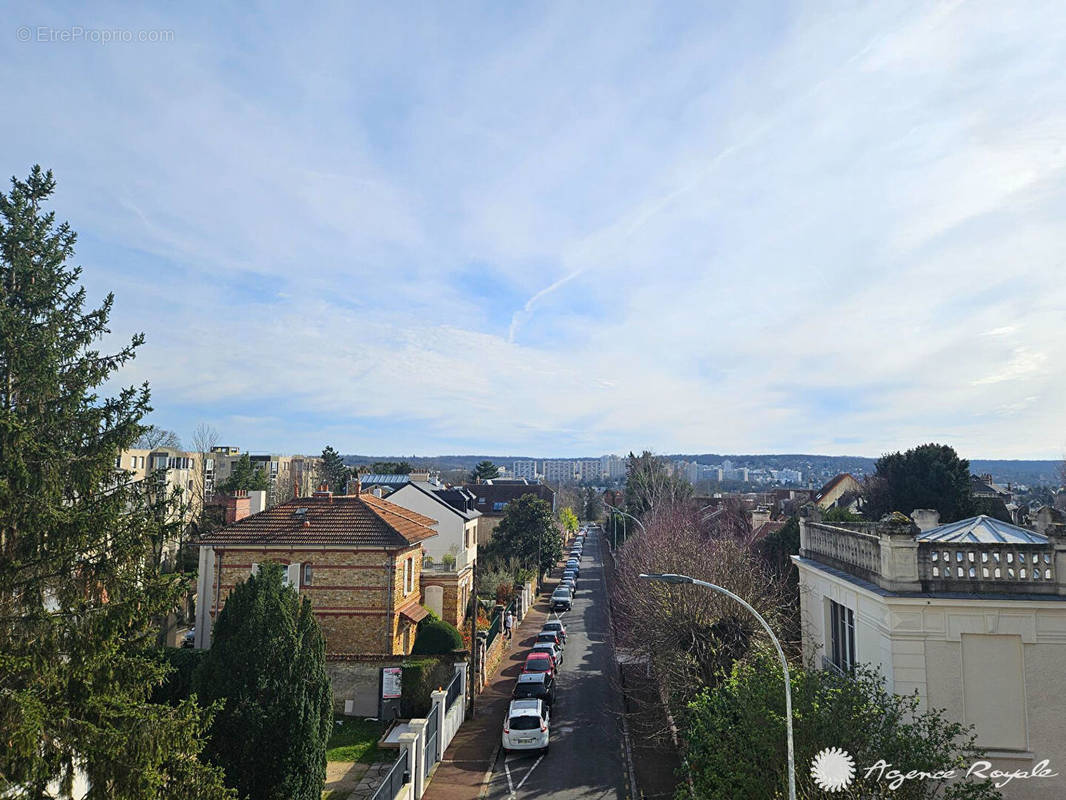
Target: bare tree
153, 437
690, 635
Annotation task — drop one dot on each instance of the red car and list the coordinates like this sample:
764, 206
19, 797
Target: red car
539, 662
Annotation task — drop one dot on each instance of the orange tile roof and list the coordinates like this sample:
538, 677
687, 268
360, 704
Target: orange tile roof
343, 520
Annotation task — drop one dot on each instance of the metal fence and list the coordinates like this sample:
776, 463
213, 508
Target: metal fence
453, 692
394, 779
432, 734
493, 630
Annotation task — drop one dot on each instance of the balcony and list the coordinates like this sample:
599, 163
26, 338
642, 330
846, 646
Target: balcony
463, 559
892, 555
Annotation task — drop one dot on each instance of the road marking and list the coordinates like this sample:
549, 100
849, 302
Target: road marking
507, 770
526, 776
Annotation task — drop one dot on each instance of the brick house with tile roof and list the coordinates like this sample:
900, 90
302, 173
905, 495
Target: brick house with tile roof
357, 557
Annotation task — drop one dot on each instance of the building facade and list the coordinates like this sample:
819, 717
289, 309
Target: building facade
357, 557
971, 616
525, 468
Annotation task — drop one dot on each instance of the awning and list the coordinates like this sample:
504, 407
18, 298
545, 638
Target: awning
414, 612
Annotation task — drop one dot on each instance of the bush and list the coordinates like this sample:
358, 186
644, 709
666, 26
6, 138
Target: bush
417, 679
735, 736
436, 637
178, 685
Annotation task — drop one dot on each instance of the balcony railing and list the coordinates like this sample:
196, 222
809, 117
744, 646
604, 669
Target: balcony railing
892, 557
462, 561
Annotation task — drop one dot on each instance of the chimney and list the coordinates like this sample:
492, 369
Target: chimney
925, 518
295, 488
358, 485
323, 493
238, 506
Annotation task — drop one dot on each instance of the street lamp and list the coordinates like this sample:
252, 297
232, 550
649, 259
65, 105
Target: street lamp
625, 514
671, 578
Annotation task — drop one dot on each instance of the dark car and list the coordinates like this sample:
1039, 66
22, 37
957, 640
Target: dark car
561, 599
536, 685
189, 639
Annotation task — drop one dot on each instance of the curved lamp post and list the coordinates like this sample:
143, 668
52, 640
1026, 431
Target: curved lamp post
671, 578
622, 513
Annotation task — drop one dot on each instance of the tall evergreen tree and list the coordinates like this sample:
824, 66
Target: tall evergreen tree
267, 666
333, 471
927, 476
528, 533
80, 589
245, 476
485, 471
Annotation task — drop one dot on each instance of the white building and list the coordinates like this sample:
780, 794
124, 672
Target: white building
970, 615
558, 471
612, 467
525, 469
589, 470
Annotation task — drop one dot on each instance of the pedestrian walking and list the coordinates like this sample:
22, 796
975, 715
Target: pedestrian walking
508, 623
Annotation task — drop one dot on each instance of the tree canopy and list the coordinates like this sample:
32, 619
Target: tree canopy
152, 437
485, 470
745, 714
267, 668
928, 476
389, 468
333, 472
593, 505
649, 484
568, 519
245, 476
81, 595
436, 637
528, 533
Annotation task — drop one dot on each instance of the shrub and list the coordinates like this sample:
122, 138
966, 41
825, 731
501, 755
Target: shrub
179, 684
436, 637
418, 678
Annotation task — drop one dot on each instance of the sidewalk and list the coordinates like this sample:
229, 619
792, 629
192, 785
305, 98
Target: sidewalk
461, 774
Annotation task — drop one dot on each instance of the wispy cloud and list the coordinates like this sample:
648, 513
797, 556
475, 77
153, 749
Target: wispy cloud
572, 229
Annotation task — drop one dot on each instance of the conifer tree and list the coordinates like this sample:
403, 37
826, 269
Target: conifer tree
267, 666
81, 594
332, 471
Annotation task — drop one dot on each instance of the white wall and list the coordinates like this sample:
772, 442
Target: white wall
449, 525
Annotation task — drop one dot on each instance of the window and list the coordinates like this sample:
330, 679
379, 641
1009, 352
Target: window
842, 636
481, 501
499, 506
409, 576
307, 575
118, 462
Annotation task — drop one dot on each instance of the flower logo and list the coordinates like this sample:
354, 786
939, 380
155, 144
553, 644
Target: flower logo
833, 769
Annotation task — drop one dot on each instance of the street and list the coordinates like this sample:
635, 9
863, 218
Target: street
585, 759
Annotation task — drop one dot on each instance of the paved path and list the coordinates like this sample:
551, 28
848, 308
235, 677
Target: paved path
586, 758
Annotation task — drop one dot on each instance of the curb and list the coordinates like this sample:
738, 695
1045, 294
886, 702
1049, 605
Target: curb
487, 777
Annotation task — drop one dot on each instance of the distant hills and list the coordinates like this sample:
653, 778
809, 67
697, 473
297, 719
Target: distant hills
1001, 470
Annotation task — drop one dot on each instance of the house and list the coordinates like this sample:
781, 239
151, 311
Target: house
448, 558
491, 500
840, 491
970, 615
357, 558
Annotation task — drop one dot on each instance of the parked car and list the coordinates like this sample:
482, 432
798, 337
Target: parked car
570, 584
561, 599
574, 565
557, 626
570, 573
539, 662
552, 650
552, 637
535, 685
526, 726
189, 639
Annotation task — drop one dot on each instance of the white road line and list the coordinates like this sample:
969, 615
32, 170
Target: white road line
507, 770
526, 776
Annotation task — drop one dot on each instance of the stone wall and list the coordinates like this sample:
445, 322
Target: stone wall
357, 681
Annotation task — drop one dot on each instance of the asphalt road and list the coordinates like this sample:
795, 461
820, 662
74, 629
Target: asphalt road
585, 759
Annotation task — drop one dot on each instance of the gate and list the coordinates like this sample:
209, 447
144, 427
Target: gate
394, 781
432, 736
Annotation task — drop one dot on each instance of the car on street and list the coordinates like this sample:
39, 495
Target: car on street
574, 565
539, 662
557, 626
570, 584
535, 685
561, 599
552, 650
189, 639
552, 637
570, 573
526, 726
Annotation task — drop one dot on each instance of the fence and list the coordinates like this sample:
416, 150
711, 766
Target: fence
493, 630
430, 742
394, 780
454, 690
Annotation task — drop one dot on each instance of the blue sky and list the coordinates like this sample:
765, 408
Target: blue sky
564, 229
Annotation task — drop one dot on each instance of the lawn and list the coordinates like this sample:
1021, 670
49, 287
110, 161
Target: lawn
355, 740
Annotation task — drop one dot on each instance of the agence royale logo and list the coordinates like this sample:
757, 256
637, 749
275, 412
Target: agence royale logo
833, 770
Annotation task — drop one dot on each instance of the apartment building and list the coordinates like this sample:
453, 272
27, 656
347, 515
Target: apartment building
287, 476
525, 468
